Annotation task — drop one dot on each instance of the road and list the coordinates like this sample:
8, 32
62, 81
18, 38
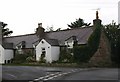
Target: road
37, 73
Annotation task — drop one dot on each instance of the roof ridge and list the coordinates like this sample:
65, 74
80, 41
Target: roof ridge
49, 32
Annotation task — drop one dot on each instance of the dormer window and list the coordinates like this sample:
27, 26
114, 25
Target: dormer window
23, 44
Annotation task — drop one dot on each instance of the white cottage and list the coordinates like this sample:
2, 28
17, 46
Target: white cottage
50, 48
48, 43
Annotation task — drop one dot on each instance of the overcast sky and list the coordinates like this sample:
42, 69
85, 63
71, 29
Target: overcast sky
23, 16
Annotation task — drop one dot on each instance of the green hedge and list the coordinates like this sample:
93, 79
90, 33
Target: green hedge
85, 52
81, 53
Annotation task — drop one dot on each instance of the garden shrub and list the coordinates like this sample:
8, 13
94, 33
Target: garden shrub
42, 58
66, 56
21, 58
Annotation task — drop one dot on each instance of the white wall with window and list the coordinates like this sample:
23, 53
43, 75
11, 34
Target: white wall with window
51, 52
43, 47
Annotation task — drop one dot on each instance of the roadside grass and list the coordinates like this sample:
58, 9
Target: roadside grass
80, 65
45, 64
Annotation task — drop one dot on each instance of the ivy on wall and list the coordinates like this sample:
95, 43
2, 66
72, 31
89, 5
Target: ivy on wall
85, 52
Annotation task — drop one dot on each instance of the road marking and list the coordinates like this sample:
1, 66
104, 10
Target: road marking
12, 75
54, 75
50, 75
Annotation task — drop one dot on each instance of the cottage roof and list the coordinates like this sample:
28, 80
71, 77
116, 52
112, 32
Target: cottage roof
56, 37
52, 42
8, 45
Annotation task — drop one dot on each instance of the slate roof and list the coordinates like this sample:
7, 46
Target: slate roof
82, 35
8, 45
56, 37
52, 42
29, 39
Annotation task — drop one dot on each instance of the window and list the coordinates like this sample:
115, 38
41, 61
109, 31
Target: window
43, 49
42, 42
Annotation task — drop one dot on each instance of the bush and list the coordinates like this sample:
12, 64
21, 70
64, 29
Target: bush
30, 59
66, 56
21, 58
81, 53
42, 58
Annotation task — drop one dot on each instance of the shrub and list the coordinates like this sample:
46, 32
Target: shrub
81, 53
30, 59
21, 58
42, 58
66, 56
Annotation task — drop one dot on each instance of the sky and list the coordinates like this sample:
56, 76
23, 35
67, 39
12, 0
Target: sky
23, 16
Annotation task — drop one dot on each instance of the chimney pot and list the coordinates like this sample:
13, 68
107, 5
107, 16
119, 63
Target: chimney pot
39, 24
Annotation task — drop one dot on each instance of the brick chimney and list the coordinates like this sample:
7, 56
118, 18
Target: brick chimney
40, 31
97, 21
0, 33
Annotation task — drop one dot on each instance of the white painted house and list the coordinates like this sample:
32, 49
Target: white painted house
49, 48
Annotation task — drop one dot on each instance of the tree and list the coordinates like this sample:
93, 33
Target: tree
112, 31
78, 23
5, 31
50, 29
58, 29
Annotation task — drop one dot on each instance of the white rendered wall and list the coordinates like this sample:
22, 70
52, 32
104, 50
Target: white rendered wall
47, 49
8, 54
1, 55
55, 51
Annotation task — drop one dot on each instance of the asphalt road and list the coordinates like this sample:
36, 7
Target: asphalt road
30, 72
37, 73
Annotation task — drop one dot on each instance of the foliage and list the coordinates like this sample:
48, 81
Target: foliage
93, 41
58, 29
42, 58
65, 56
112, 31
84, 52
5, 31
50, 29
78, 23
81, 53
30, 59
21, 58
